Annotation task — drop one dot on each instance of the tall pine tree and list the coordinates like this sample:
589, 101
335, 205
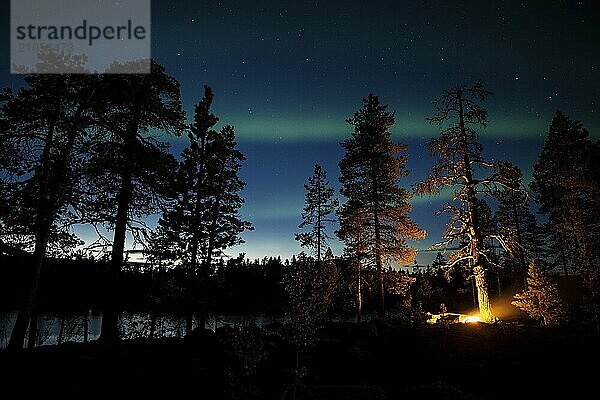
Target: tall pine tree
131, 168
566, 180
203, 218
319, 206
46, 124
377, 208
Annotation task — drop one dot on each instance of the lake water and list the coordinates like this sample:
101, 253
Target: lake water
55, 328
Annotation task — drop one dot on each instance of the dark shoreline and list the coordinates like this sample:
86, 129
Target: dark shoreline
367, 361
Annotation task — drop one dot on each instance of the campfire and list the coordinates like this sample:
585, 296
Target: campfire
452, 318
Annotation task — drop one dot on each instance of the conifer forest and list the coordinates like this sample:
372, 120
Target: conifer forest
301, 200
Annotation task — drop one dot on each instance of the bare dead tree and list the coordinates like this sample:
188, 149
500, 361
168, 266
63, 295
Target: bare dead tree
462, 168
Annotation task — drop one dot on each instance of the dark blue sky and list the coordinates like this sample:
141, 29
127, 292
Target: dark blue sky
287, 75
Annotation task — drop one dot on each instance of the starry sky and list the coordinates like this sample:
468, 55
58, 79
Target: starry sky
288, 74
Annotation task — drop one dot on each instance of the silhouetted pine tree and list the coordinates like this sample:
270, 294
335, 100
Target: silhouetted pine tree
44, 126
131, 168
377, 208
203, 219
520, 229
319, 205
567, 184
459, 158
566, 180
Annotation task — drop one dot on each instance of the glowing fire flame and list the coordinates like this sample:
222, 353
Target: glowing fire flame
472, 318
453, 318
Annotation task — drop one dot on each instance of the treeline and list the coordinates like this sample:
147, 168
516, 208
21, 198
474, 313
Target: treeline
91, 149
238, 286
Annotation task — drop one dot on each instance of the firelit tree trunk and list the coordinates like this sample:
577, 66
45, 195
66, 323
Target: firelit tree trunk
479, 271
474, 231
483, 298
481, 283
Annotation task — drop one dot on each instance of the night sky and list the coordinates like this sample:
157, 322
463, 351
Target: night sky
288, 75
